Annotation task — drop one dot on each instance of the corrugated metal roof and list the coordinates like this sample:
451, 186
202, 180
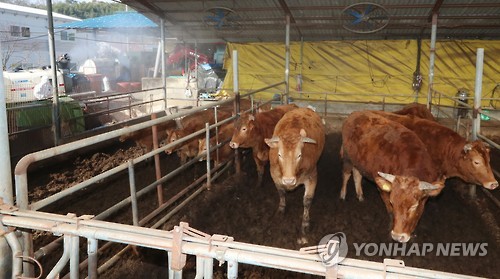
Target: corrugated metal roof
264, 20
117, 20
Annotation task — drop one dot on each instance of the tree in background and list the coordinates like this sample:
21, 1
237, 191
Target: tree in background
82, 10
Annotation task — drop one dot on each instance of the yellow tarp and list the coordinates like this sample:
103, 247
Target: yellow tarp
363, 70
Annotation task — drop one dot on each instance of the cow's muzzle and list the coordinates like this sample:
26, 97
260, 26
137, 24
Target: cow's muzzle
400, 237
491, 185
289, 181
233, 145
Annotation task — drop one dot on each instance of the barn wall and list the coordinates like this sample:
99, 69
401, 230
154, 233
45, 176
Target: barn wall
367, 67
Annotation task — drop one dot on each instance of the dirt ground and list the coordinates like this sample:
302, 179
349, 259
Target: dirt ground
235, 207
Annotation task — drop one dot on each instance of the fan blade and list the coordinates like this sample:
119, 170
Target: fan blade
368, 9
354, 13
357, 21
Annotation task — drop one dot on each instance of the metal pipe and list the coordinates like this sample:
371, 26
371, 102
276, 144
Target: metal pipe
232, 269
295, 260
432, 56
6, 193
54, 273
159, 187
56, 124
237, 159
263, 88
157, 61
207, 143
133, 193
16, 253
478, 88
74, 259
92, 249
208, 269
163, 62
287, 61
200, 263
476, 117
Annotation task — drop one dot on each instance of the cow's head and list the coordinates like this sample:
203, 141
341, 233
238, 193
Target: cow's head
407, 196
172, 136
289, 147
202, 147
243, 129
474, 165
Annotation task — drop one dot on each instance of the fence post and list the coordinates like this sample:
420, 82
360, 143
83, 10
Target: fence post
476, 119
207, 142
159, 188
237, 159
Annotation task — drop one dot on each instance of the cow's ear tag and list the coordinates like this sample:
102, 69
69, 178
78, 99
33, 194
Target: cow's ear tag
386, 187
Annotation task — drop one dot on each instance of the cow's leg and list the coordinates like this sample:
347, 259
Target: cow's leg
357, 183
310, 188
260, 169
282, 204
347, 169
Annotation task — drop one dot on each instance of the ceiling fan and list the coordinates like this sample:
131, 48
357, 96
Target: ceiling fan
222, 19
364, 17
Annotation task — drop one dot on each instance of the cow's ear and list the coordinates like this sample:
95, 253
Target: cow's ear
431, 189
467, 148
383, 184
385, 181
303, 133
251, 117
272, 142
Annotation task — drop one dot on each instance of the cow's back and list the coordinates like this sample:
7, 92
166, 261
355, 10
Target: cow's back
374, 143
417, 110
267, 121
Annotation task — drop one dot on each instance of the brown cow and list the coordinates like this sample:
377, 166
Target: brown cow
195, 122
188, 125
417, 110
144, 137
225, 152
250, 131
397, 160
296, 146
455, 157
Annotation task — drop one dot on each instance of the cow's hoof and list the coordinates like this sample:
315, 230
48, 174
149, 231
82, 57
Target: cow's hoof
342, 196
302, 240
361, 198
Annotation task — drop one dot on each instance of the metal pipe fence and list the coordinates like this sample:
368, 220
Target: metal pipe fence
183, 240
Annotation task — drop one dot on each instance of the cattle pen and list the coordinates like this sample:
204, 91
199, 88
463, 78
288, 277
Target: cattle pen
180, 239
135, 214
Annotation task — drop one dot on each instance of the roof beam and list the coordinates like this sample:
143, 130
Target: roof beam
435, 9
287, 11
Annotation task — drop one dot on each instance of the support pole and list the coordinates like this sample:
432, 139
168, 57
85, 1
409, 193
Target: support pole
159, 188
432, 56
476, 116
287, 61
207, 143
163, 62
92, 245
56, 125
6, 193
237, 159
157, 61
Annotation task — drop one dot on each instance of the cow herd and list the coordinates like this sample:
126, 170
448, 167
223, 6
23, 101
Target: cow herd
407, 154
